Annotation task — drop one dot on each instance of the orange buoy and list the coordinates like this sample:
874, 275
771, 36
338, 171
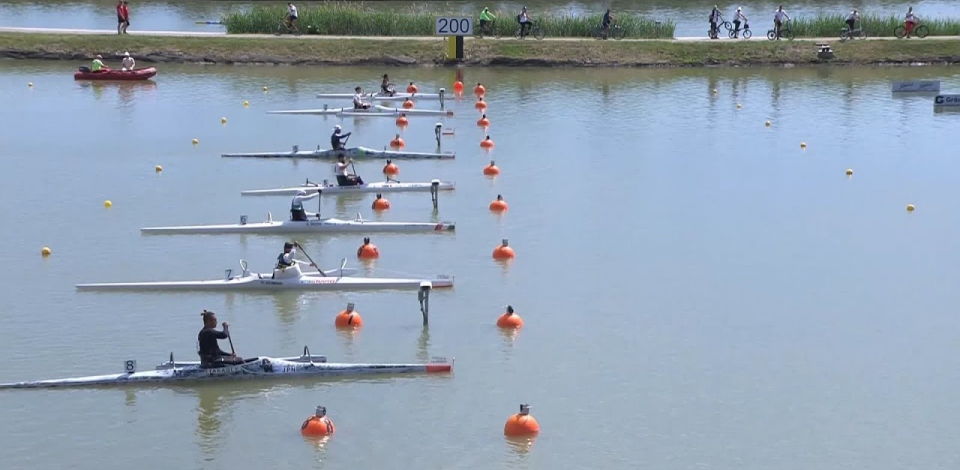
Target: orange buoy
499, 205
486, 143
397, 142
318, 425
368, 250
483, 121
479, 90
380, 204
390, 168
521, 424
407, 104
348, 318
458, 86
509, 319
402, 120
480, 104
411, 88
503, 251
491, 169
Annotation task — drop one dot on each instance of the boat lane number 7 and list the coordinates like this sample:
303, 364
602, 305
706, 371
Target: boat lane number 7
453, 26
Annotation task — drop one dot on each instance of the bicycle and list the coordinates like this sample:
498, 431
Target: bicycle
534, 30
490, 29
847, 33
785, 32
286, 27
615, 32
744, 33
725, 24
919, 31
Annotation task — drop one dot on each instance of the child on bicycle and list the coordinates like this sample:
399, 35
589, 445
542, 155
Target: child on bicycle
911, 21
738, 18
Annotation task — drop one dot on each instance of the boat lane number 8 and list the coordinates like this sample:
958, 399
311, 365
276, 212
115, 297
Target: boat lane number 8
130, 366
454, 26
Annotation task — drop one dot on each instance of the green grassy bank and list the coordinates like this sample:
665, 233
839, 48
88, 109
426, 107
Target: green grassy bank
351, 19
507, 52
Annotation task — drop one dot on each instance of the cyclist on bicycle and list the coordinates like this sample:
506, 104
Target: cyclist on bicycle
606, 22
291, 15
485, 18
778, 19
525, 22
714, 19
739, 18
852, 19
911, 21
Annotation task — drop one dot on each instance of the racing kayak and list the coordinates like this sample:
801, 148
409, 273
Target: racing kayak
330, 188
262, 367
375, 111
382, 97
317, 225
282, 279
138, 74
353, 152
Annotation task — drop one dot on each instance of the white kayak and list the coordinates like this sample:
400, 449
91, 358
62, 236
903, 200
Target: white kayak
377, 187
384, 97
315, 225
353, 152
261, 367
382, 111
286, 279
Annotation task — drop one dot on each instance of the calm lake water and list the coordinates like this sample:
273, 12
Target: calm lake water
690, 16
698, 291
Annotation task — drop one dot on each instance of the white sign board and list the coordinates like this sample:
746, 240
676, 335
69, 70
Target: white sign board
453, 26
947, 100
928, 86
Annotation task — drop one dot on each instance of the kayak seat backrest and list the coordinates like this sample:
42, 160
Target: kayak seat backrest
84, 69
285, 273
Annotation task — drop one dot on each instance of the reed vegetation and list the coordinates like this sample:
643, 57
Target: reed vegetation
353, 19
829, 26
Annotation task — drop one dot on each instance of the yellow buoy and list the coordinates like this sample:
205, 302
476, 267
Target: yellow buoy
45, 251
767, 124
30, 84
849, 172
158, 168
910, 208
739, 105
714, 91
195, 141
264, 88
223, 120
108, 204
246, 103
803, 145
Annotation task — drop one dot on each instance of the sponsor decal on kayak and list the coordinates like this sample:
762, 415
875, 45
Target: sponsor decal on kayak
323, 280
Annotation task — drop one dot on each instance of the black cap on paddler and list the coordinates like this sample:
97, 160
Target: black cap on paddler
287, 245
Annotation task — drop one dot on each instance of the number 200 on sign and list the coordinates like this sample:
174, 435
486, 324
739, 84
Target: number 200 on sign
454, 27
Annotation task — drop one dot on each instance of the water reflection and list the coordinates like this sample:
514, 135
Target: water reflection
423, 345
520, 446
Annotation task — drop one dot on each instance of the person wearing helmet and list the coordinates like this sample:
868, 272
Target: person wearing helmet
338, 140
127, 64
738, 19
485, 18
525, 22
342, 170
297, 213
358, 99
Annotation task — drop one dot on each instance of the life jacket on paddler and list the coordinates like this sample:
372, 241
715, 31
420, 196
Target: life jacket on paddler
282, 263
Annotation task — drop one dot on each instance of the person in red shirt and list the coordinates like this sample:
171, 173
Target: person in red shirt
123, 17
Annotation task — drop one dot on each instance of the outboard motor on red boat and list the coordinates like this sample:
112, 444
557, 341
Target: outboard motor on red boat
84, 69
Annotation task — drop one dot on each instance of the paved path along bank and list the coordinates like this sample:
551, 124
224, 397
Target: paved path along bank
221, 48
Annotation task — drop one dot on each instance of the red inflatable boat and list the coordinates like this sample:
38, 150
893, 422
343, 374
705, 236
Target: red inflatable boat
138, 74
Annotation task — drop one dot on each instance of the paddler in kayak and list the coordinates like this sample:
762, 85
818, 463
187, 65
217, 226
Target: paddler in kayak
337, 140
387, 88
344, 177
297, 214
358, 99
209, 349
286, 259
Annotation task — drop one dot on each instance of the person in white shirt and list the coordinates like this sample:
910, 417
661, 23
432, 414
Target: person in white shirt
911, 21
739, 18
778, 18
297, 213
852, 19
525, 22
358, 99
342, 170
127, 64
292, 14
